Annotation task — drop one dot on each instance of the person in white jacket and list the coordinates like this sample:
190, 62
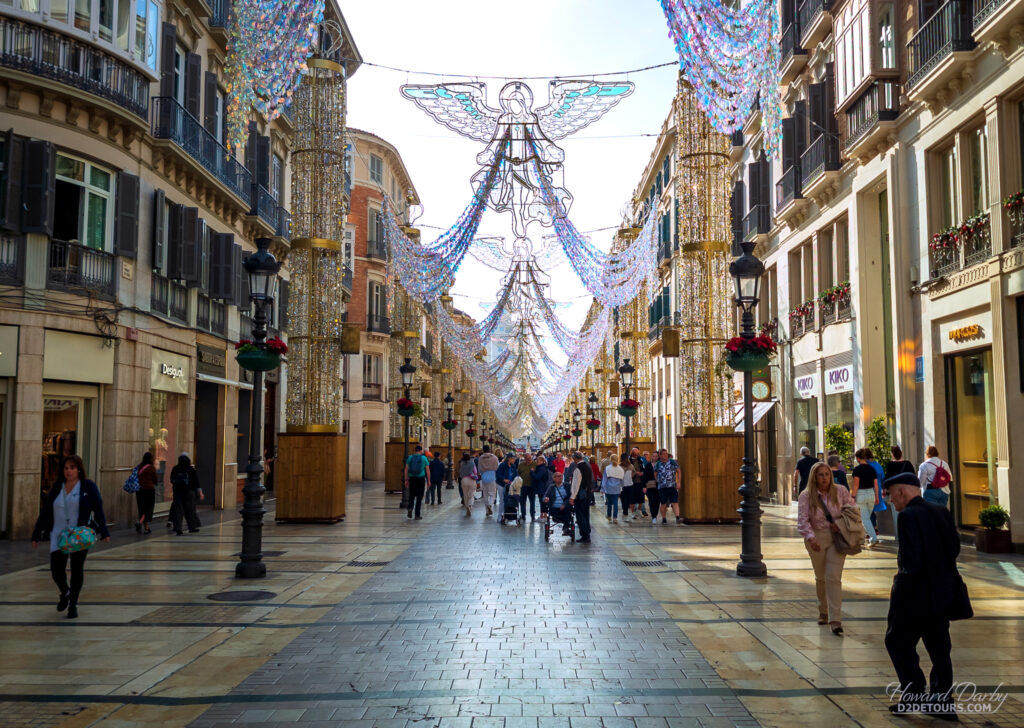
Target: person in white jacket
488, 465
926, 474
611, 486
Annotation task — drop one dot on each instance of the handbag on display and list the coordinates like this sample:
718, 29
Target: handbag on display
75, 539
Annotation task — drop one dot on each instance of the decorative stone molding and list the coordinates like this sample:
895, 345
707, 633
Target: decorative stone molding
959, 280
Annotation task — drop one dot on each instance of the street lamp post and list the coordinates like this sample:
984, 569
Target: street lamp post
262, 268
408, 371
626, 376
746, 272
449, 401
591, 402
469, 420
576, 425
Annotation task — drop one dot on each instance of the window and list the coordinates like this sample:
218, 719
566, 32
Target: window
978, 140
372, 369
376, 299
83, 14
886, 36
83, 194
160, 263
376, 231
276, 177
179, 74
106, 19
949, 190
58, 10
376, 169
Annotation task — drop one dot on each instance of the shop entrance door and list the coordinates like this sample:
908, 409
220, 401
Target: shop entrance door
66, 426
972, 434
207, 397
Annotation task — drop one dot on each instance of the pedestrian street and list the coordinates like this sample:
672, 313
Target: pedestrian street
453, 621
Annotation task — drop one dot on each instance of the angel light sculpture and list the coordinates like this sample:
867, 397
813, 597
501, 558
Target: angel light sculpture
520, 141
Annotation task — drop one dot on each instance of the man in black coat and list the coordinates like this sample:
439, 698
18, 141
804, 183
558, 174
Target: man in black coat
923, 598
581, 482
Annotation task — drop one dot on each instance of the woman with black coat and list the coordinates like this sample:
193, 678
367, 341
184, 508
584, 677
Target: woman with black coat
186, 488
72, 501
145, 496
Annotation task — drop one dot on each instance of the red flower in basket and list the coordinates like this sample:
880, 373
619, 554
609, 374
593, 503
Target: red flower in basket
404, 403
243, 342
631, 403
276, 346
593, 422
762, 345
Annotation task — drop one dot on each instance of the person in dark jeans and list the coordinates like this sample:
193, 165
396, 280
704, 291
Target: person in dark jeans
417, 477
186, 489
145, 496
581, 488
437, 478
803, 469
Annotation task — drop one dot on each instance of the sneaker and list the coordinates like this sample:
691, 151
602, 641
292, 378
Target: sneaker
654, 521
875, 541
679, 520
615, 520
72, 611
408, 514
664, 520
419, 518
608, 518
65, 598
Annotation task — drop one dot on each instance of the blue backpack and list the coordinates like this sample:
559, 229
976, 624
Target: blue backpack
417, 465
131, 485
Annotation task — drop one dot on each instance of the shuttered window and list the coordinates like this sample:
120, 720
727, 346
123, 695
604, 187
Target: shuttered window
39, 189
84, 194
126, 225
222, 278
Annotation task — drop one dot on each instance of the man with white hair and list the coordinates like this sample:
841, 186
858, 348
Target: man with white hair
582, 485
803, 469
926, 593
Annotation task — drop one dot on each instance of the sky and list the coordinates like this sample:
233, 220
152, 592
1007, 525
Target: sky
568, 38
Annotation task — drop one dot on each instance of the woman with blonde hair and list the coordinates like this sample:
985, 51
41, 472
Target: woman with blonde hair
819, 506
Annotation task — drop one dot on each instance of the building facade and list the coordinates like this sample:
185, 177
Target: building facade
894, 271
125, 223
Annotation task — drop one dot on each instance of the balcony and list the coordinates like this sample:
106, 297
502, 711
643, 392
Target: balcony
736, 148
834, 304
169, 298
871, 118
264, 206
425, 356
932, 51
665, 253
373, 391
818, 162
346, 280
770, 329
77, 269
47, 54
788, 190
958, 248
814, 20
283, 224
12, 260
171, 121
757, 222
376, 249
1016, 215
801, 320
378, 324
211, 315
794, 56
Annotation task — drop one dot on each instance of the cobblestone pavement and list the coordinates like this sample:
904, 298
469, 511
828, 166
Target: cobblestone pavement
454, 621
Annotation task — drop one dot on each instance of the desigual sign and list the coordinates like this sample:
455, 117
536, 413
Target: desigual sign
807, 386
172, 371
839, 379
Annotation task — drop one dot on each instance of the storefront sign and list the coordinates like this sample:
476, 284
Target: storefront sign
78, 358
807, 386
210, 360
169, 372
8, 351
839, 379
966, 333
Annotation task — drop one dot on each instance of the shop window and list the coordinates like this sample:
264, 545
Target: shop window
66, 422
978, 140
807, 424
376, 169
83, 194
839, 410
972, 433
165, 414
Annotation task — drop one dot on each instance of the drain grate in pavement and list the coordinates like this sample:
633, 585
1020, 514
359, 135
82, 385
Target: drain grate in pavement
368, 563
241, 596
644, 563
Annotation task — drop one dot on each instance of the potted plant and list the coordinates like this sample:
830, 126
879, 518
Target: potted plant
260, 357
593, 423
406, 407
628, 407
749, 355
992, 538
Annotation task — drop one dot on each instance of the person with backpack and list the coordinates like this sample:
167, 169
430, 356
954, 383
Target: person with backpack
185, 488
437, 475
880, 474
935, 477
865, 492
417, 479
145, 496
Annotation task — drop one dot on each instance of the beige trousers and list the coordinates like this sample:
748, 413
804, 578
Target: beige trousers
468, 489
828, 575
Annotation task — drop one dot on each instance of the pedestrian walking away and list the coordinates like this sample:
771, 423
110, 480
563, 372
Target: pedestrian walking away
611, 486
895, 467
525, 471
803, 469
935, 476
437, 477
185, 490
927, 593
467, 481
669, 481
838, 474
579, 495
818, 511
488, 464
866, 491
71, 515
503, 477
145, 496
417, 479
542, 480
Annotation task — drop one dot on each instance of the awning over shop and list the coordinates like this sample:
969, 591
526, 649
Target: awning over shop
760, 410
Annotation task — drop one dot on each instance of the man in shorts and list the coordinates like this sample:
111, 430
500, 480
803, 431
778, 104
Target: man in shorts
668, 477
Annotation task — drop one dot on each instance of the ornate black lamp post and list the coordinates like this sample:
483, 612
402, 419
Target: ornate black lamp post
262, 268
576, 425
449, 402
408, 371
591, 403
469, 420
746, 272
626, 377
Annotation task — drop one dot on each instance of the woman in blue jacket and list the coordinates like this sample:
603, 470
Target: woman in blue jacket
71, 502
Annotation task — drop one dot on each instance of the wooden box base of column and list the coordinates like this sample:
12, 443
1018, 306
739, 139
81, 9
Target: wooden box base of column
641, 443
394, 464
310, 477
710, 468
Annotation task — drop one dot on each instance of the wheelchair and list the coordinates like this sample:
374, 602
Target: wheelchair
569, 524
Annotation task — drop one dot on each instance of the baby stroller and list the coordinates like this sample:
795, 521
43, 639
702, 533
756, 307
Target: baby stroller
564, 517
510, 510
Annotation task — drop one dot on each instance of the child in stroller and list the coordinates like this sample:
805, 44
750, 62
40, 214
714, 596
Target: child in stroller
559, 509
510, 510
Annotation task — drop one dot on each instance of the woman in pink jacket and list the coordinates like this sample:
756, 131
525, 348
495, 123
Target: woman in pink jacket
823, 496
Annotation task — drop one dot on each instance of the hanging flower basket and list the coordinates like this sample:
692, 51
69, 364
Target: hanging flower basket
628, 407
450, 424
470, 432
406, 407
749, 355
593, 424
260, 357
577, 432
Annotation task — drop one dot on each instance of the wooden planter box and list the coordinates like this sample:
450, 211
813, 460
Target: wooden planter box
311, 476
993, 541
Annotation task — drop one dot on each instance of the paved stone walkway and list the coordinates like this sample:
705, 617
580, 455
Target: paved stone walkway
487, 625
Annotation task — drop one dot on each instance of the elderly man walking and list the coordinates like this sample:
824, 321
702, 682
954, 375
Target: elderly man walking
927, 592
579, 495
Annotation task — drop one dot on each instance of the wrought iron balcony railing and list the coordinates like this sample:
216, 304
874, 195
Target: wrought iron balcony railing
809, 12
283, 228
881, 102
12, 260
737, 138
757, 222
346, 279
426, 356
788, 188
219, 16
211, 315
376, 249
821, 156
984, 8
378, 324
48, 54
264, 206
791, 43
972, 245
373, 391
1016, 227
76, 268
172, 121
946, 32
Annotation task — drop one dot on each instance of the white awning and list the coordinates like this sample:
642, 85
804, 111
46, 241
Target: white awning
760, 410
